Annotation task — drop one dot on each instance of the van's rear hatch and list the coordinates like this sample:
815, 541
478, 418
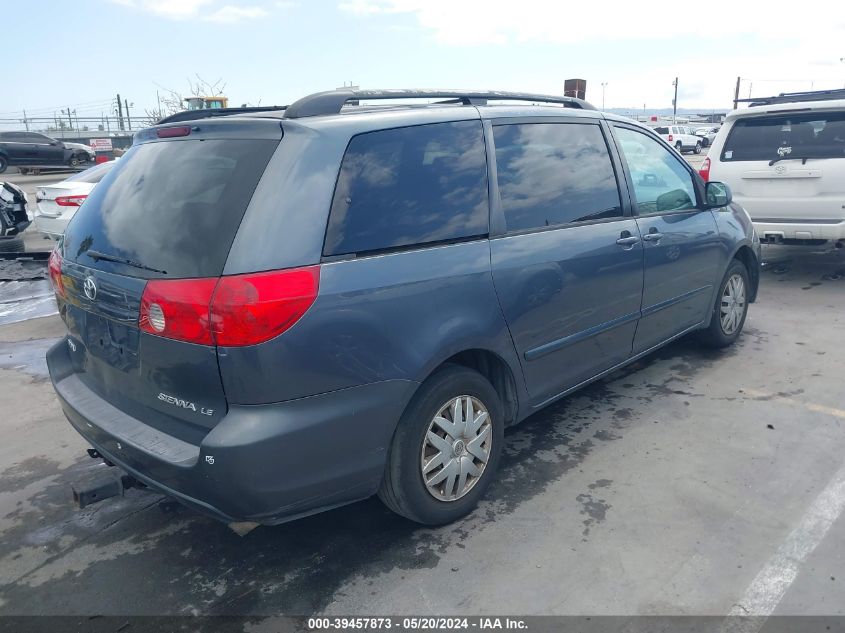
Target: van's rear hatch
169, 209
786, 165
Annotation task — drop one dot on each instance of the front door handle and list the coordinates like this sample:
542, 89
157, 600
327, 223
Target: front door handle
653, 236
626, 239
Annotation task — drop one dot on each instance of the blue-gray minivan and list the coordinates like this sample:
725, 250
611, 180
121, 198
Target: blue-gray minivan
279, 311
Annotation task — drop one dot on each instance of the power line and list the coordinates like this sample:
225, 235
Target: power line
58, 107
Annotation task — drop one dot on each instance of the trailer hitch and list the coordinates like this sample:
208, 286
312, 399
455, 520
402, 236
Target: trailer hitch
102, 486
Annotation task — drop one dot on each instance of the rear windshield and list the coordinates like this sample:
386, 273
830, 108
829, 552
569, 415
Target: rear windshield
787, 136
92, 175
174, 206
661, 130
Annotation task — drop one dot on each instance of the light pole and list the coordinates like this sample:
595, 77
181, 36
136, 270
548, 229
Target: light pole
603, 86
675, 102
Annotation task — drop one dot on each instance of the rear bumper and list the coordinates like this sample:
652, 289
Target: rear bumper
51, 227
264, 463
800, 229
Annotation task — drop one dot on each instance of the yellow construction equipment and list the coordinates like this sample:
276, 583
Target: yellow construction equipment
206, 103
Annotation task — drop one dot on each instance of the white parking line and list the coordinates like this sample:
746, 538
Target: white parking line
770, 585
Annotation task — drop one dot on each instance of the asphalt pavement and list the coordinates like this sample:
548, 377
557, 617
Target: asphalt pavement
692, 482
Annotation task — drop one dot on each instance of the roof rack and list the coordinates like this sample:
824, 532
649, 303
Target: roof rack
192, 115
796, 97
332, 101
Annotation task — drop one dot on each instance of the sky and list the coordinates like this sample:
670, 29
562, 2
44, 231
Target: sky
80, 54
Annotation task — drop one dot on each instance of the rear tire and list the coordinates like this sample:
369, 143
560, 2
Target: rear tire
4, 163
423, 498
697, 148
679, 146
730, 308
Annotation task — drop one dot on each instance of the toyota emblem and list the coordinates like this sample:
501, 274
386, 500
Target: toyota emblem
90, 288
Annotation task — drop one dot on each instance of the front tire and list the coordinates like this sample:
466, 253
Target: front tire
697, 148
446, 448
4, 164
74, 161
730, 309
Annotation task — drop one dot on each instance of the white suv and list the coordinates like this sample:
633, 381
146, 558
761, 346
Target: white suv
785, 163
680, 137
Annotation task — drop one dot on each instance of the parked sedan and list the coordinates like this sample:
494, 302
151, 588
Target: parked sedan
22, 149
57, 204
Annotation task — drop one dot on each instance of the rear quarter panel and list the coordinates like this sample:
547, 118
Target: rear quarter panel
388, 317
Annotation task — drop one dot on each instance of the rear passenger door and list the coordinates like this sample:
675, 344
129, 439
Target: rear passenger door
567, 259
681, 241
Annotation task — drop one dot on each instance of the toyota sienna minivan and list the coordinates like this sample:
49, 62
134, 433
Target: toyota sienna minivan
278, 312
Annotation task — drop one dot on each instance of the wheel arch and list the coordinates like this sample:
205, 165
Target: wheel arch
495, 369
746, 255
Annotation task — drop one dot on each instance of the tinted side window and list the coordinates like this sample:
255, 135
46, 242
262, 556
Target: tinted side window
410, 186
661, 183
554, 173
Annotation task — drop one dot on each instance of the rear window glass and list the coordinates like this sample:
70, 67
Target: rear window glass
172, 205
787, 136
554, 173
92, 175
409, 186
661, 130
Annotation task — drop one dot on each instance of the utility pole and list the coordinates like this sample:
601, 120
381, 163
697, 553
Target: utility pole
675, 102
736, 93
25, 121
126, 103
69, 120
119, 112
603, 86
160, 113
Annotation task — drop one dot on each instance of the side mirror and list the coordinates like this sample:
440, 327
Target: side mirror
54, 142
717, 195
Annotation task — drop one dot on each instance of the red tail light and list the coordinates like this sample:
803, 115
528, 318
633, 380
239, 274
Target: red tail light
70, 201
250, 309
54, 266
231, 311
671, 138
704, 172
178, 309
